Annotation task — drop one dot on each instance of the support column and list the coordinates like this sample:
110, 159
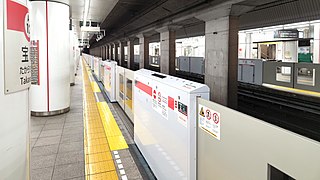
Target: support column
50, 22
144, 51
107, 51
121, 57
101, 51
115, 56
167, 50
110, 51
316, 49
233, 62
130, 44
248, 49
221, 65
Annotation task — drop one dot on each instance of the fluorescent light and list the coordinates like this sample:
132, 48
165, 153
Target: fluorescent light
85, 15
86, 11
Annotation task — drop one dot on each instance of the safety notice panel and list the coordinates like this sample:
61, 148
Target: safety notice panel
209, 121
160, 102
16, 46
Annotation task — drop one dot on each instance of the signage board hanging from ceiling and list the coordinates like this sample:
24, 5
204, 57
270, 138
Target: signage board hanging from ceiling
286, 33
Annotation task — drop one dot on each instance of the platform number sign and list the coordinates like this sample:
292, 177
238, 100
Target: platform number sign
209, 121
16, 46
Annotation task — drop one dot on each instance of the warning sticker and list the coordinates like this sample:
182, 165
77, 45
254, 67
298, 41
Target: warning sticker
209, 121
182, 114
160, 102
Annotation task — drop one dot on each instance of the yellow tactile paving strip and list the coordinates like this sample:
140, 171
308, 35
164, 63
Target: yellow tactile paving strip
98, 159
102, 134
113, 133
95, 87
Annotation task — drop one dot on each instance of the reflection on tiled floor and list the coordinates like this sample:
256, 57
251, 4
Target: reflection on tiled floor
57, 142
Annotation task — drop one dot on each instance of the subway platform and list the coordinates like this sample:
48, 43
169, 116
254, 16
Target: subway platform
89, 142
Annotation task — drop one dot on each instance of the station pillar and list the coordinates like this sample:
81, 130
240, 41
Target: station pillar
107, 51
50, 94
110, 51
15, 77
221, 54
167, 50
144, 51
121, 53
115, 56
316, 49
72, 58
130, 44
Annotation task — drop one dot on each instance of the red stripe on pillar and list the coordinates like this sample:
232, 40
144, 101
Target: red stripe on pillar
47, 38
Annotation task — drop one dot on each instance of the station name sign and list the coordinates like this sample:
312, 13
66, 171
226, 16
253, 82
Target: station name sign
16, 46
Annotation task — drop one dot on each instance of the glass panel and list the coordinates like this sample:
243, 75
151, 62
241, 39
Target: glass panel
306, 76
121, 86
128, 100
283, 74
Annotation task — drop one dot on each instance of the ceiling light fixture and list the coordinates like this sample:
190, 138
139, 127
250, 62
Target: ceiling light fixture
85, 15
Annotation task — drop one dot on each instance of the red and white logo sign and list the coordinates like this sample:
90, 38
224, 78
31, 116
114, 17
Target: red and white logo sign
208, 114
216, 118
18, 18
108, 68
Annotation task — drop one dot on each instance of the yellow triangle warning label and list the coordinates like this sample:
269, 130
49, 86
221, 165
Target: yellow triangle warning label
202, 112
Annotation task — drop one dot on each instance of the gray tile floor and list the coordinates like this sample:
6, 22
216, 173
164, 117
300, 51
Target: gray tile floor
57, 142
57, 151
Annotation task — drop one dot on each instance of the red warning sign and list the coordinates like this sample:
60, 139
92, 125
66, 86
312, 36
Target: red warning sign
216, 118
154, 94
208, 114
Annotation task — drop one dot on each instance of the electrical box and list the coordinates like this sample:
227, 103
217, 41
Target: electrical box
109, 79
197, 65
184, 63
250, 71
193, 65
165, 123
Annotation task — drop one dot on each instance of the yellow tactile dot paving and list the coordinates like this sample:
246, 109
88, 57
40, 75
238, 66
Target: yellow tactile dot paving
98, 158
117, 143
100, 141
95, 87
112, 130
97, 149
112, 175
100, 167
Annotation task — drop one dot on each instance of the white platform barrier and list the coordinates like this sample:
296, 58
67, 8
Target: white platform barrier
165, 123
109, 79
